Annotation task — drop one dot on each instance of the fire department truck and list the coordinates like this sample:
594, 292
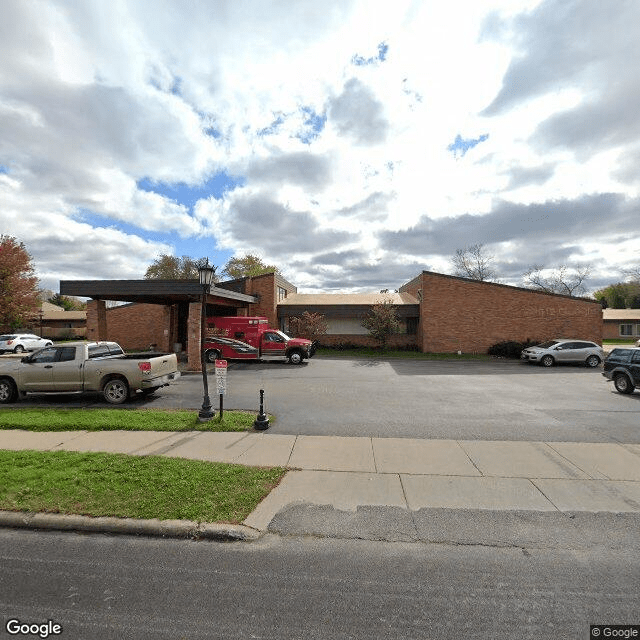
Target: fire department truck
251, 338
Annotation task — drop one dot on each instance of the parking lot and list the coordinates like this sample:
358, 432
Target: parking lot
462, 400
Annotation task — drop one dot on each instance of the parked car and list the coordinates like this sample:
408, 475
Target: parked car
622, 367
81, 367
554, 351
21, 342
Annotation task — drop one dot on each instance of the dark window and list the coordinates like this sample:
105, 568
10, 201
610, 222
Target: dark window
66, 354
99, 351
412, 326
636, 356
46, 355
621, 355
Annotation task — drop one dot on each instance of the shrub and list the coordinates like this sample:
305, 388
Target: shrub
510, 348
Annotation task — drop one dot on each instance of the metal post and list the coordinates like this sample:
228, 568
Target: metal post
262, 422
205, 414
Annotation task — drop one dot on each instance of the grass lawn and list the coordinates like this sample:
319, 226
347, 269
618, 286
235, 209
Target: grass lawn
101, 484
35, 419
363, 352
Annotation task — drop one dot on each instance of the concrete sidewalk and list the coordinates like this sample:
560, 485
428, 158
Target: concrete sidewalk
349, 473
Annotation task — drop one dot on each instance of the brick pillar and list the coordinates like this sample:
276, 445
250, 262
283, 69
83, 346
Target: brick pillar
194, 362
96, 320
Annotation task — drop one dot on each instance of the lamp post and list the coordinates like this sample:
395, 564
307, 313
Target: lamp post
206, 279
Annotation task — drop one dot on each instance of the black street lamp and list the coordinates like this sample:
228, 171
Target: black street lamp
206, 280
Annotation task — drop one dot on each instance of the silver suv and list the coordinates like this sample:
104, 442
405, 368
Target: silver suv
555, 351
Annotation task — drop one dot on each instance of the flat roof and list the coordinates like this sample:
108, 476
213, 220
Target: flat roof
149, 291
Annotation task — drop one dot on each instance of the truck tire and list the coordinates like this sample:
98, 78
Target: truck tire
8, 391
115, 391
211, 355
622, 383
296, 357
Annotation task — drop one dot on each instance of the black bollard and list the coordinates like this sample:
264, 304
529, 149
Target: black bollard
262, 422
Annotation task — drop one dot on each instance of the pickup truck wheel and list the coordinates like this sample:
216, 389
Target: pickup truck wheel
592, 361
547, 361
211, 355
8, 391
116, 391
295, 357
622, 383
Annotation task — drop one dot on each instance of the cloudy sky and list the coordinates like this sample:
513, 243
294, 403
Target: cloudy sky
352, 143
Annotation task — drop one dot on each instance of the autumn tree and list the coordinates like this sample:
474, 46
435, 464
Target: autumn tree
564, 280
474, 262
166, 267
311, 326
19, 295
382, 321
249, 265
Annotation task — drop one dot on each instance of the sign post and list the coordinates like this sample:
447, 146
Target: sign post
221, 381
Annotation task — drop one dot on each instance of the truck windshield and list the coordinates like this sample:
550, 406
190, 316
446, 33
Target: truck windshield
284, 335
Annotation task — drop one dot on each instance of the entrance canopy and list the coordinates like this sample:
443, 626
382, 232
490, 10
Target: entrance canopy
165, 292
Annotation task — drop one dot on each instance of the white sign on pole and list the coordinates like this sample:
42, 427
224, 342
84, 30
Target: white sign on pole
221, 377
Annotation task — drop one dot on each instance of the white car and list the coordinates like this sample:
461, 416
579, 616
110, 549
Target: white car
557, 351
21, 342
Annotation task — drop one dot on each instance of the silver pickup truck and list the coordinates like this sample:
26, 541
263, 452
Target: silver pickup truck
80, 367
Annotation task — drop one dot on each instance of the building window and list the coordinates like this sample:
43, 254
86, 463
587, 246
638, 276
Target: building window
282, 294
412, 326
626, 329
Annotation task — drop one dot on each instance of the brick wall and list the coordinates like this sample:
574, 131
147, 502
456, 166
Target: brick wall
465, 315
134, 326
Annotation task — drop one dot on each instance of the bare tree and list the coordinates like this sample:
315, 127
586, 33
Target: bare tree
562, 279
473, 262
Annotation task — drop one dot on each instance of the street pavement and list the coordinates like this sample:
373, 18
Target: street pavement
338, 483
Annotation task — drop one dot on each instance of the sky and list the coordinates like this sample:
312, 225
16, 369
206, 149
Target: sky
351, 143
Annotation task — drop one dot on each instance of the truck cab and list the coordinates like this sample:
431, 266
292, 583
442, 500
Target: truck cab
251, 338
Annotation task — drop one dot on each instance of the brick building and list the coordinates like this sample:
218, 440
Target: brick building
621, 324
438, 313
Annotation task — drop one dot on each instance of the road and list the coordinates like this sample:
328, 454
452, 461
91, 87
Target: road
105, 587
469, 400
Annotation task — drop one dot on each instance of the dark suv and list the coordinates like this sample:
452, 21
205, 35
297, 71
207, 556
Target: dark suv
623, 367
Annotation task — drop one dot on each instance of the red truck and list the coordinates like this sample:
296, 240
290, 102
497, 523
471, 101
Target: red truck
251, 338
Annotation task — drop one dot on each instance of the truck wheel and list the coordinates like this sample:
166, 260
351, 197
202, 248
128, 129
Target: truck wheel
8, 391
116, 391
211, 355
547, 361
622, 383
296, 357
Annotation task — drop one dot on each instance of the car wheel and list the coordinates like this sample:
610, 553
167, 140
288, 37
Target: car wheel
623, 384
116, 391
19, 349
592, 361
8, 391
296, 357
211, 355
547, 361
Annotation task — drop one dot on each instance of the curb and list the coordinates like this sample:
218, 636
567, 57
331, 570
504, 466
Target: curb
129, 526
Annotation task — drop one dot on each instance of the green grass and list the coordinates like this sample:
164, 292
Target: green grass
36, 419
630, 341
365, 352
101, 484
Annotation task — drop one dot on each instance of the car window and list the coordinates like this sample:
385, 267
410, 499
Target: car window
115, 349
66, 354
621, 355
45, 355
99, 351
636, 356
7, 337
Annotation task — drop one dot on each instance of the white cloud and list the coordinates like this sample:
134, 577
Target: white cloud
333, 155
